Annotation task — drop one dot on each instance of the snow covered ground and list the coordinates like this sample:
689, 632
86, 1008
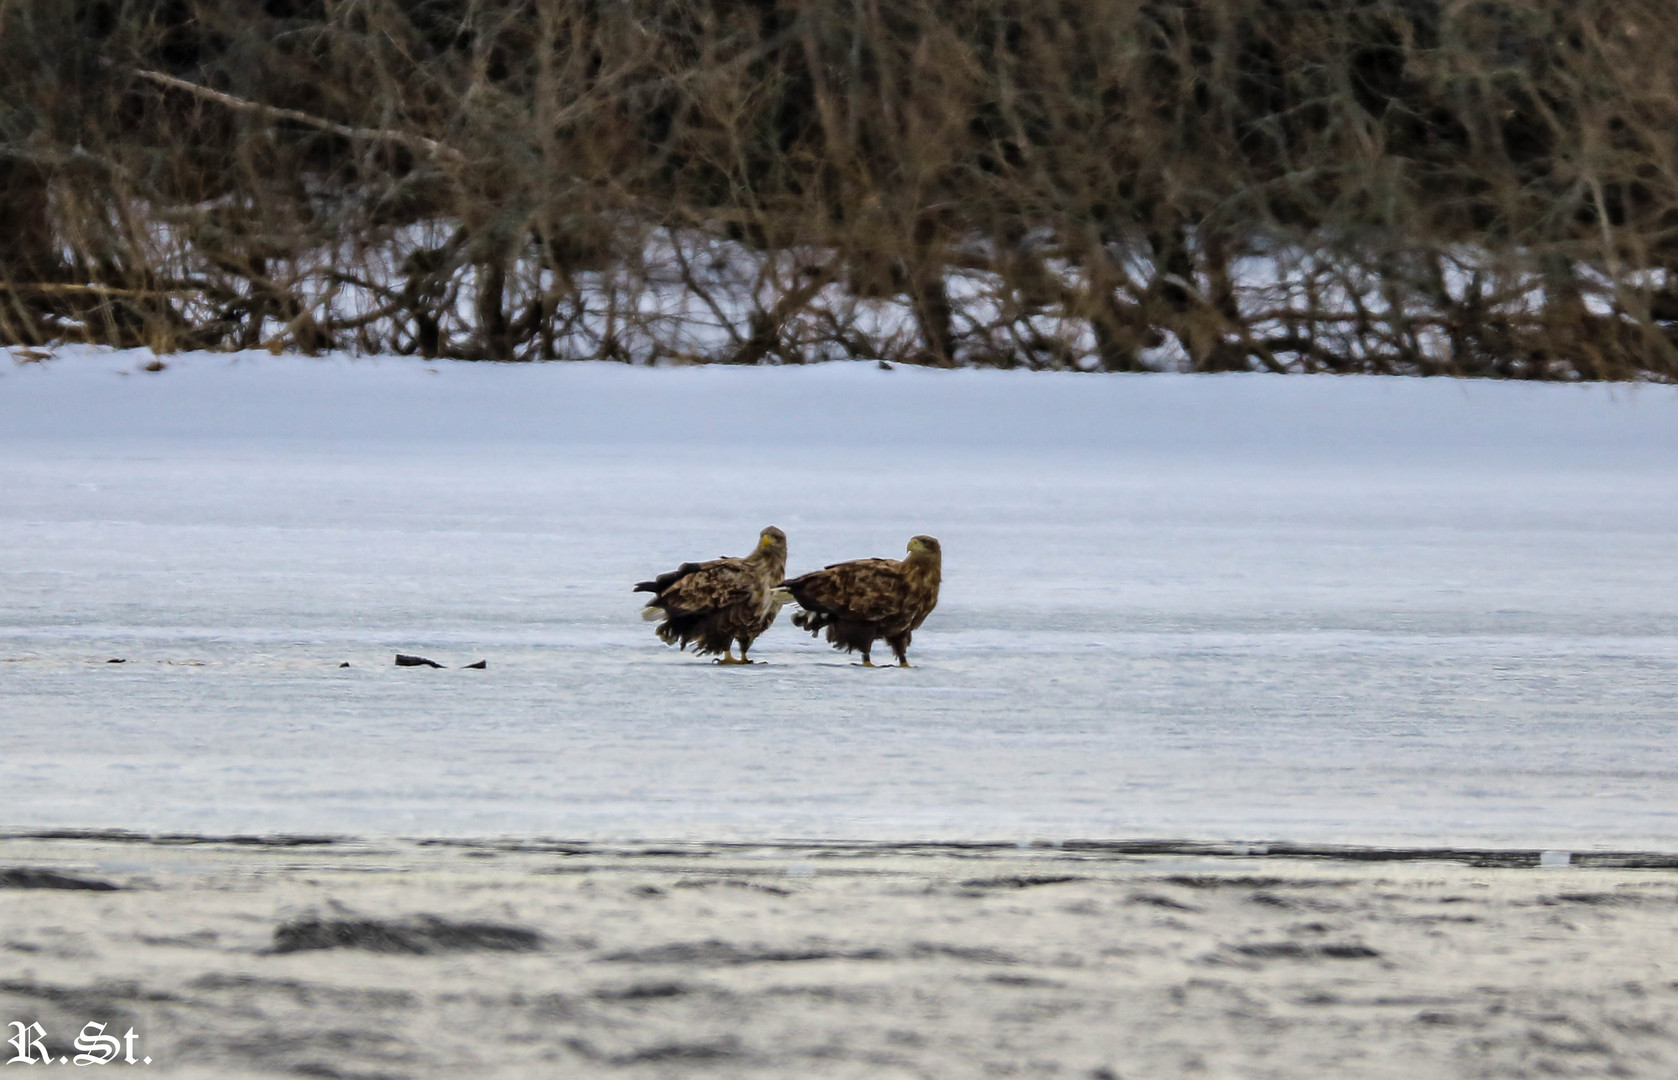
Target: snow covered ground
251, 961
1212, 607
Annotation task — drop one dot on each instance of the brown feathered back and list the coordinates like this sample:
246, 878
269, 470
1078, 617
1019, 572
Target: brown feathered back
714, 604
862, 601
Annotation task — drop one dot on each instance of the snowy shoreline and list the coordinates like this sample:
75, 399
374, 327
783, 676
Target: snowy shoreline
99, 395
72, 840
370, 959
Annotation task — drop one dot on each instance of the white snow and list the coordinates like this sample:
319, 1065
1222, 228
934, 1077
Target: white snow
688, 293
1250, 607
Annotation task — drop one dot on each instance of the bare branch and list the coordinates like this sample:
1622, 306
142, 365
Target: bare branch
389, 135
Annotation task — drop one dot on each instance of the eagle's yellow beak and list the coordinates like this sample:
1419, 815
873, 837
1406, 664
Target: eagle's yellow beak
765, 541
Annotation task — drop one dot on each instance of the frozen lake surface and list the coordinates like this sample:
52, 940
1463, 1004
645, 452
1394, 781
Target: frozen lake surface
1208, 607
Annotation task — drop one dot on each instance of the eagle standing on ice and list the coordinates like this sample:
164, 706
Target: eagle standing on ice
714, 604
860, 601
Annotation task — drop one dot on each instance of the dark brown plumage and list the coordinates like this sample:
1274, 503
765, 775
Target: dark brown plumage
859, 602
712, 605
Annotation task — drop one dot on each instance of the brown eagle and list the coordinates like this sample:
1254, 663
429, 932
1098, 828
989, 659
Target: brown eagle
714, 604
860, 601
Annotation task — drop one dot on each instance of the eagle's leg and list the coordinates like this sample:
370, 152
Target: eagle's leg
727, 656
900, 648
745, 643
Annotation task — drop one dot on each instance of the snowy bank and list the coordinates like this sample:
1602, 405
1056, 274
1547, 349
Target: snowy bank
99, 395
767, 963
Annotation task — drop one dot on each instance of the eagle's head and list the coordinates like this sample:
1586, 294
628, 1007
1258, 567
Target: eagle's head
924, 545
772, 539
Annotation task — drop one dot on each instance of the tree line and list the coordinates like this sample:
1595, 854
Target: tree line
1458, 187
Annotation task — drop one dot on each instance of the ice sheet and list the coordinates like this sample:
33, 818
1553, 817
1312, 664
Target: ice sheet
1213, 607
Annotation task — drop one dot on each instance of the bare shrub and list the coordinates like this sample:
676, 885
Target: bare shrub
1397, 186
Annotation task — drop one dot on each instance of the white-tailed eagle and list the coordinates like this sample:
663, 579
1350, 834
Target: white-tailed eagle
715, 604
864, 600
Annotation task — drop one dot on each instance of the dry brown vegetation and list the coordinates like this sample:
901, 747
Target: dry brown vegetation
1404, 186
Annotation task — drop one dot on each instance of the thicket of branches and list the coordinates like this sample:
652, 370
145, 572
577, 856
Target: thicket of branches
1404, 186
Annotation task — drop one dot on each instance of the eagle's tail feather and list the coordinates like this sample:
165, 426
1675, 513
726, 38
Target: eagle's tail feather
652, 613
813, 621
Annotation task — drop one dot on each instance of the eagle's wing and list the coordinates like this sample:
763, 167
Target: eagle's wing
663, 581
709, 586
864, 589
